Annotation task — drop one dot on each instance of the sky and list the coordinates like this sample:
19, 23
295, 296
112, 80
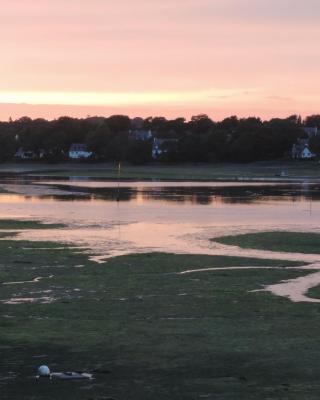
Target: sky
174, 58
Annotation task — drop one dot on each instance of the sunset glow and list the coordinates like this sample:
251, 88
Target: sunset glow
172, 58
103, 99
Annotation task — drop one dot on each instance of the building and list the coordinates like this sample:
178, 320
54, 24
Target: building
162, 146
300, 150
22, 154
79, 151
310, 131
141, 135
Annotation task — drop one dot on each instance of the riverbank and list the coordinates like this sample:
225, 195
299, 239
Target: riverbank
289, 171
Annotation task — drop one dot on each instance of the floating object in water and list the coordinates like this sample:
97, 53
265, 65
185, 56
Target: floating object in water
44, 372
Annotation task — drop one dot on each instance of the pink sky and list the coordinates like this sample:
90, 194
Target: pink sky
159, 57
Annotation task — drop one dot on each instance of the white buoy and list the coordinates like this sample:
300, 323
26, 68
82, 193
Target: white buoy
44, 370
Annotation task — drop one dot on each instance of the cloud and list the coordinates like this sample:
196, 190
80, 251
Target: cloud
170, 46
280, 98
293, 11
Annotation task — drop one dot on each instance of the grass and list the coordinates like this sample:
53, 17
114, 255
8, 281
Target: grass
160, 334
293, 242
219, 171
27, 224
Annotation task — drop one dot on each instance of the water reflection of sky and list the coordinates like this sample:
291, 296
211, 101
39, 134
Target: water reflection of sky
204, 193
172, 218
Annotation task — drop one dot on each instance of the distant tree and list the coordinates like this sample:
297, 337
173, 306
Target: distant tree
177, 127
70, 130
198, 140
230, 124
201, 124
137, 123
193, 148
139, 151
158, 125
276, 138
296, 119
98, 141
251, 124
313, 121
119, 123
118, 147
8, 142
315, 145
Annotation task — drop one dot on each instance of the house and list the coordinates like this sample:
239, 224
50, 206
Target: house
141, 135
42, 153
300, 150
162, 146
310, 131
22, 154
79, 151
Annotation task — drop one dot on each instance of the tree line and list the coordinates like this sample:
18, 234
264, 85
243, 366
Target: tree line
198, 140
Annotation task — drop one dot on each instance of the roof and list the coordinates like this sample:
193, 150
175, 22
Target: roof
140, 134
158, 141
78, 147
21, 151
302, 142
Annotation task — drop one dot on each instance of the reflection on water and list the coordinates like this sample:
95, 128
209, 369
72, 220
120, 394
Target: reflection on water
165, 192
178, 217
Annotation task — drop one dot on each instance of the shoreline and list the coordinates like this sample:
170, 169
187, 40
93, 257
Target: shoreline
286, 172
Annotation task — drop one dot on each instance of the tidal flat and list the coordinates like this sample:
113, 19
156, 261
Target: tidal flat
12, 224
290, 242
98, 279
147, 331
280, 170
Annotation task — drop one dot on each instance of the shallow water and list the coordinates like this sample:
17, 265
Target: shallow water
296, 289
114, 218
168, 216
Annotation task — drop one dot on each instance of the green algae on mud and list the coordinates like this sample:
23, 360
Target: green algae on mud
27, 224
217, 171
162, 335
7, 234
291, 242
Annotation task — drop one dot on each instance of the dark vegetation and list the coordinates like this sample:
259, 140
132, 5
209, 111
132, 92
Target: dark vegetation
198, 140
292, 242
27, 224
147, 332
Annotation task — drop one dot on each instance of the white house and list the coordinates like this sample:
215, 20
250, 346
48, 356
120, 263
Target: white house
306, 153
22, 154
79, 151
301, 150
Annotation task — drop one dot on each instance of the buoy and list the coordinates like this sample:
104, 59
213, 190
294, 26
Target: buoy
44, 371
